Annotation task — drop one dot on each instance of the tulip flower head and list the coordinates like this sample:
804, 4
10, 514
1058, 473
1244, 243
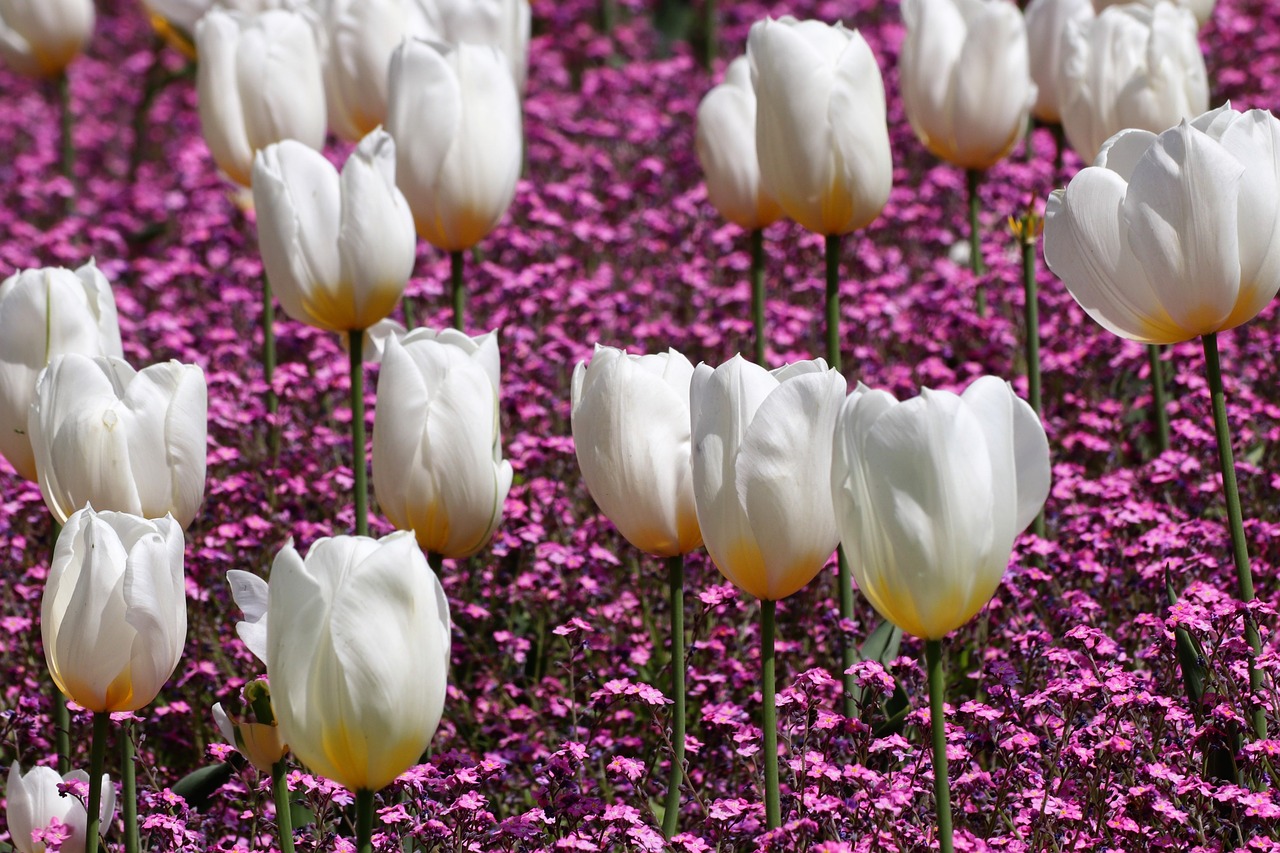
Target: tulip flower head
114, 612
130, 441
1047, 22
437, 451
930, 494
966, 78
631, 436
256, 736
45, 313
761, 464
821, 133
1202, 9
455, 113
259, 81
338, 250
1173, 236
504, 24
33, 804
39, 38
1131, 66
358, 640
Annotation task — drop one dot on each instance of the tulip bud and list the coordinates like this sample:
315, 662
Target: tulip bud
726, 146
131, 441
45, 313
821, 134
761, 466
259, 81
114, 612
337, 251
257, 740
631, 435
1201, 9
1130, 67
358, 643
39, 38
437, 452
930, 494
1173, 236
34, 803
1047, 22
966, 78
504, 24
455, 114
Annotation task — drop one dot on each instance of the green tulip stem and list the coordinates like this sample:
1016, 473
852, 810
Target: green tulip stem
61, 716
1239, 547
974, 178
68, 153
456, 261
97, 757
284, 814
129, 789
410, 316
269, 363
675, 586
938, 724
355, 339
436, 562
608, 16
769, 724
1060, 147
849, 653
833, 302
757, 292
364, 821
711, 25
1159, 398
1028, 232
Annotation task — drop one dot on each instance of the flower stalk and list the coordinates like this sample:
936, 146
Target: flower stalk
769, 724
61, 716
97, 756
938, 725
459, 290
675, 588
269, 365
974, 178
758, 292
68, 146
364, 821
355, 339
1159, 399
1027, 230
129, 789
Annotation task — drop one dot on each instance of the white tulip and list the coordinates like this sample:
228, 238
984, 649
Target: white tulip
114, 613
358, 642
726, 147
120, 439
504, 24
39, 38
455, 114
930, 494
259, 81
437, 451
34, 803
1202, 9
1047, 22
761, 471
631, 435
1130, 67
966, 78
45, 313
821, 133
337, 250
250, 592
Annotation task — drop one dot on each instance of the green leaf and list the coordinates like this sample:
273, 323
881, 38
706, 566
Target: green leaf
198, 787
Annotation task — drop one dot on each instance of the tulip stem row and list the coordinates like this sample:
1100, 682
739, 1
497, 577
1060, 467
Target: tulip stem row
1031, 313
364, 821
974, 178
97, 756
129, 790
355, 339
1239, 546
758, 293
458, 288
68, 141
675, 586
269, 364
849, 655
938, 725
1159, 398
769, 723
284, 814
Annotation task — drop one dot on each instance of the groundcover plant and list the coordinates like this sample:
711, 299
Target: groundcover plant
1100, 701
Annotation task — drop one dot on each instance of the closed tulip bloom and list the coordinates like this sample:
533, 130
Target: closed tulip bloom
1047, 22
33, 803
966, 78
1131, 66
39, 38
1173, 236
456, 115
504, 24
120, 439
821, 133
761, 467
184, 14
437, 452
930, 494
45, 313
631, 435
114, 612
357, 656
337, 250
257, 742
1202, 9
726, 147
259, 81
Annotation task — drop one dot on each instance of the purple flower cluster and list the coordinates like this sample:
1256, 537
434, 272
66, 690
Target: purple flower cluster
1069, 722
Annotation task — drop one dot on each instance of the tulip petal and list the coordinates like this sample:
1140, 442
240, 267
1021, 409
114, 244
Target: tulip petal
860, 140
991, 88
1254, 140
